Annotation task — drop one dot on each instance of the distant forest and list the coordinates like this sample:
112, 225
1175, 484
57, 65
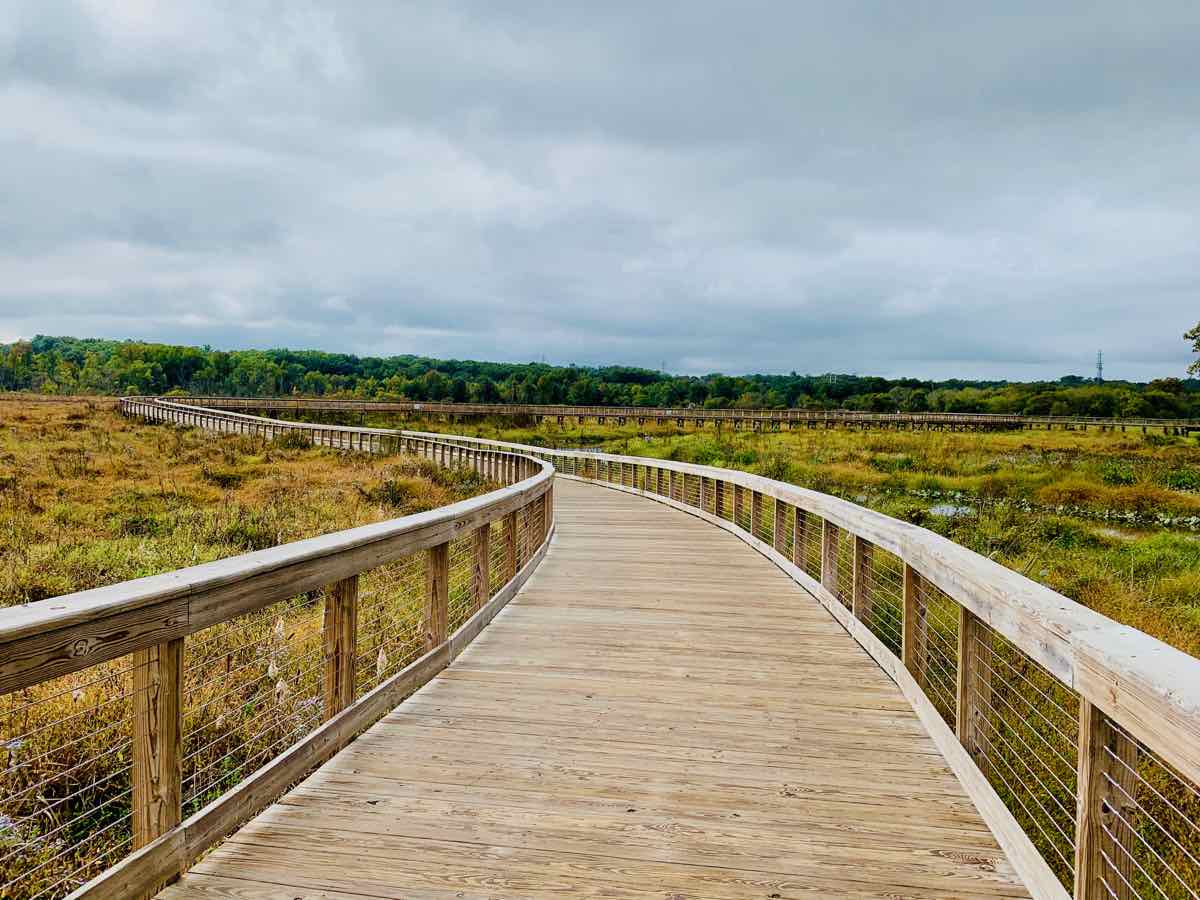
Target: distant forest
63, 365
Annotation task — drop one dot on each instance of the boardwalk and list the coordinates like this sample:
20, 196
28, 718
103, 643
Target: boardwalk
660, 713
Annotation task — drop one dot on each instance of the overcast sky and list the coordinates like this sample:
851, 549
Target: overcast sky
894, 188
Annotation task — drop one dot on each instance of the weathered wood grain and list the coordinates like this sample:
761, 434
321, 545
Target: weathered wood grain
657, 764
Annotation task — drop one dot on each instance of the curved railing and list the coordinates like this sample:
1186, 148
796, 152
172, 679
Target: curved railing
690, 414
143, 721
1077, 738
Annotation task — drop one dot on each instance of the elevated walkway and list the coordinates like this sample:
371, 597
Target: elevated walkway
660, 713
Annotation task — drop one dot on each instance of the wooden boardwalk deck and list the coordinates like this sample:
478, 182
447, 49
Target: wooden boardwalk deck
660, 713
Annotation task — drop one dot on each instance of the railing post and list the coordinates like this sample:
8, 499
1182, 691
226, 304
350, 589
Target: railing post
510, 546
974, 686
437, 594
829, 557
658, 481
703, 493
719, 498
756, 505
913, 636
548, 510
341, 643
671, 483
860, 598
738, 504
481, 571
778, 538
157, 740
1107, 779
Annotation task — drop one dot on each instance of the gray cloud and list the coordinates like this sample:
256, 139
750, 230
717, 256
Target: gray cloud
930, 189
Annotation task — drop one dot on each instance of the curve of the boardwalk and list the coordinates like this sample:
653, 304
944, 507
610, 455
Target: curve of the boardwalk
658, 712
642, 678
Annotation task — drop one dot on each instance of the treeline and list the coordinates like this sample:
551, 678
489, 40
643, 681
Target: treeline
63, 365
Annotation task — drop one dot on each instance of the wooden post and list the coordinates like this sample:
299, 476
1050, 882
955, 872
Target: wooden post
703, 493
756, 505
738, 503
547, 510
860, 598
671, 483
340, 636
913, 638
481, 571
157, 740
974, 684
780, 526
658, 481
437, 594
799, 539
1107, 763
829, 557
510, 546
719, 498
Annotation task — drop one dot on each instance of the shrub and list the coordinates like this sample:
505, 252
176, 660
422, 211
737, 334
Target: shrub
222, 478
1182, 479
1116, 472
292, 439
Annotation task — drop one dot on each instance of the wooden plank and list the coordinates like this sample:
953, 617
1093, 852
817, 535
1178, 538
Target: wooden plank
1107, 781
437, 594
566, 753
974, 685
481, 568
510, 546
157, 740
914, 627
829, 558
779, 526
55, 637
861, 592
340, 638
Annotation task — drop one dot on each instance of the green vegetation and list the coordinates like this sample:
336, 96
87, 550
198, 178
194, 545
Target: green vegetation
60, 365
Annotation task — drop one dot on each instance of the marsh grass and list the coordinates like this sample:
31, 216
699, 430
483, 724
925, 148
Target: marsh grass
89, 498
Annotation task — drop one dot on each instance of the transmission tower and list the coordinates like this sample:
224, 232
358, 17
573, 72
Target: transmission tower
1099, 367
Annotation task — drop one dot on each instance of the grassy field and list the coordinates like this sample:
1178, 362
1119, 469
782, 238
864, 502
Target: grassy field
1110, 519
89, 498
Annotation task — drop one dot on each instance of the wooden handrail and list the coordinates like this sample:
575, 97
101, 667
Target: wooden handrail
147, 619
1132, 688
1137, 699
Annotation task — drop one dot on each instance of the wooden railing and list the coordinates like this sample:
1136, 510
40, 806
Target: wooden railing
643, 414
1078, 738
142, 722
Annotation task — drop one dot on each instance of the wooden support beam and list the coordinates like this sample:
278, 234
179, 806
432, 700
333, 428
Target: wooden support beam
481, 569
1106, 780
829, 557
913, 639
974, 690
779, 529
799, 538
510, 546
860, 598
756, 505
437, 594
157, 740
719, 498
341, 639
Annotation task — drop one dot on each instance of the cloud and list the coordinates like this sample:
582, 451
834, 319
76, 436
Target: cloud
939, 190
